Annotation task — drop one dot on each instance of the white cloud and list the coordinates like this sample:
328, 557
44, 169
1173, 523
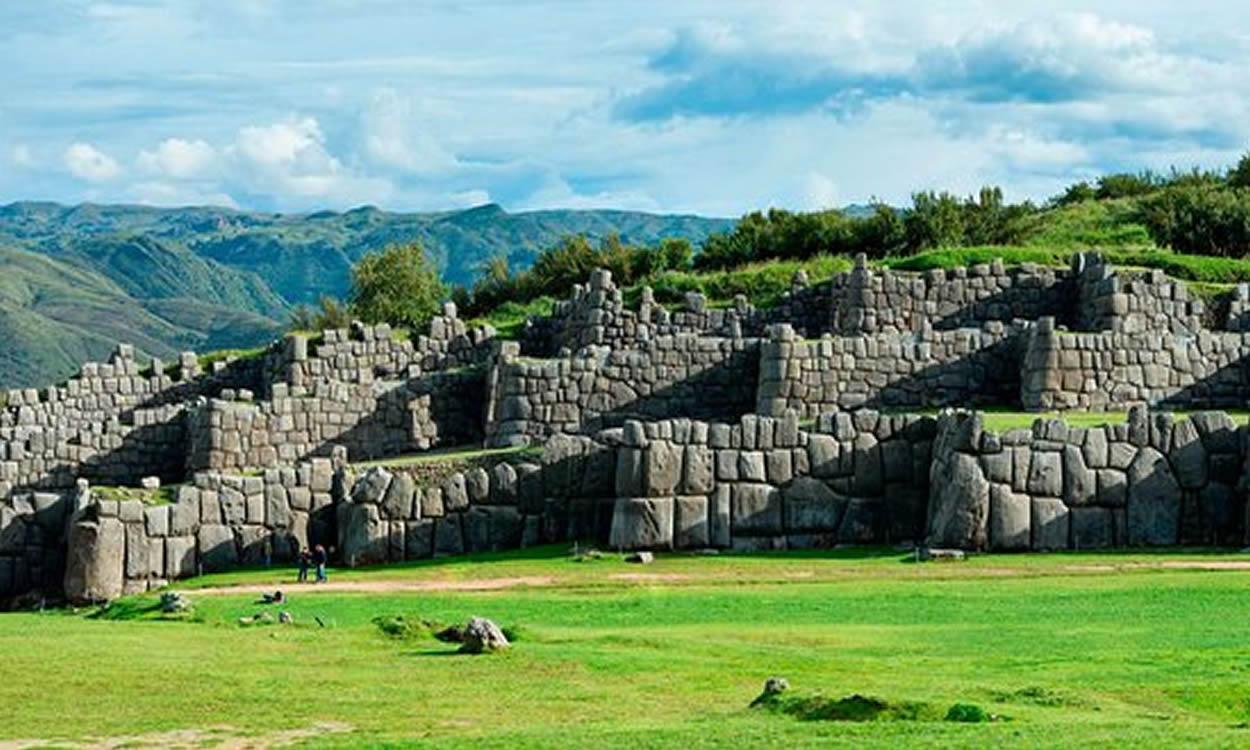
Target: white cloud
180, 159
22, 156
86, 162
157, 193
394, 138
289, 142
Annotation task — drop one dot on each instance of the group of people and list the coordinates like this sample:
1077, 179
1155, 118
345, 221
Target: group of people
317, 557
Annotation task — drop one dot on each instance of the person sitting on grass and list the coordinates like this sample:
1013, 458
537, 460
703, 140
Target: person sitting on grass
274, 598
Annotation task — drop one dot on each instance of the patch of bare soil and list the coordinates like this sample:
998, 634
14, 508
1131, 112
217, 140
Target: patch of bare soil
484, 584
220, 738
649, 577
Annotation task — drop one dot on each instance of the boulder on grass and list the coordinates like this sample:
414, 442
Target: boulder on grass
482, 636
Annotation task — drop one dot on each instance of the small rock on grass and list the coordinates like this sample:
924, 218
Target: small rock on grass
482, 636
644, 558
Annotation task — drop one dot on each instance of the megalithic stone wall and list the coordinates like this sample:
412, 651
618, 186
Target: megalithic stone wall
1154, 481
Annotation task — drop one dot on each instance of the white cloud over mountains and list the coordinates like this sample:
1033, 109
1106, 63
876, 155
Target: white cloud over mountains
289, 106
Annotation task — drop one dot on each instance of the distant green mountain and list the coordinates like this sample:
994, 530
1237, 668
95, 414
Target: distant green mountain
76, 280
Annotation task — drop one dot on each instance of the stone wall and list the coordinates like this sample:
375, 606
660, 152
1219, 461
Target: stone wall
217, 522
32, 539
1133, 302
668, 376
1115, 370
925, 369
868, 301
1154, 481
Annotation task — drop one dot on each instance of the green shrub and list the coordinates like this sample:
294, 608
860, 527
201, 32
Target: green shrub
967, 713
404, 628
398, 286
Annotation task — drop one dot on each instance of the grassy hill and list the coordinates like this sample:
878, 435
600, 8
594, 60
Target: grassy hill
79, 279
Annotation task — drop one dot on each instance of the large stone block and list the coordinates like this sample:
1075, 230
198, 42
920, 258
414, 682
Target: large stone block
95, 560
397, 502
136, 551
698, 470
217, 549
179, 557
690, 522
431, 499
448, 536
1046, 474
757, 510
863, 521
1079, 483
823, 455
156, 520
503, 484
810, 506
751, 467
663, 468
363, 539
277, 507
1010, 520
477, 484
959, 505
630, 471
1050, 519
530, 494
779, 464
455, 494
869, 473
419, 539
1188, 456
642, 523
1154, 500
719, 515
1093, 528
1112, 488
372, 485
493, 528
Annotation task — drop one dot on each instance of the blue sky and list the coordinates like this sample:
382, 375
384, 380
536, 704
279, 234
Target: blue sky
707, 107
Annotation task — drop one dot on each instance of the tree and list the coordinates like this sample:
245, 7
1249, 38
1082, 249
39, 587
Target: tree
397, 285
1239, 176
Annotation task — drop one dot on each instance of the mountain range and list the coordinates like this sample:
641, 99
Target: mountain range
77, 280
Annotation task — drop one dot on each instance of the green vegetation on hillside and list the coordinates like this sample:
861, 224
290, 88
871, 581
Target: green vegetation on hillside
1124, 649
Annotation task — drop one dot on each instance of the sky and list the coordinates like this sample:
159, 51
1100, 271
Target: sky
714, 108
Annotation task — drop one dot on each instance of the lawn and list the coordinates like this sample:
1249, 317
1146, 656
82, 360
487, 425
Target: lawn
1122, 649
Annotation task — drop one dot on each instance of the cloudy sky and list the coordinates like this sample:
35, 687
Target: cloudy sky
672, 105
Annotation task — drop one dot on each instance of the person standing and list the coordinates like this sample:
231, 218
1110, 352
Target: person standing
305, 561
320, 558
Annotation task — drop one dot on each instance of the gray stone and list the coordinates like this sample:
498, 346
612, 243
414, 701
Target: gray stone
493, 528
698, 470
1010, 520
95, 559
779, 465
1188, 456
726, 465
277, 508
810, 506
217, 549
397, 502
1079, 483
1154, 500
254, 510
861, 521
482, 636
751, 466
1112, 488
642, 523
1095, 450
1093, 528
719, 505
630, 471
690, 523
372, 486
431, 502
136, 551
503, 484
959, 503
757, 510
157, 519
448, 536
179, 557
300, 498
1121, 455
869, 476
233, 507
364, 539
822, 455
663, 468
455, 494
477, 484
998, 466
1050, 519
1045, 474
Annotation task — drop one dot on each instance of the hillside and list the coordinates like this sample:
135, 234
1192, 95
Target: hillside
79, 279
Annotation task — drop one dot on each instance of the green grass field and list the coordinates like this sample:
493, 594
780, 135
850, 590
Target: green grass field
1068, 650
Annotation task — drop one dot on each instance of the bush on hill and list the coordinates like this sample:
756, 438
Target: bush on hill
398, 285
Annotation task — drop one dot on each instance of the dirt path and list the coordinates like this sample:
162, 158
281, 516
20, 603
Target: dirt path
219, 738
484, 584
